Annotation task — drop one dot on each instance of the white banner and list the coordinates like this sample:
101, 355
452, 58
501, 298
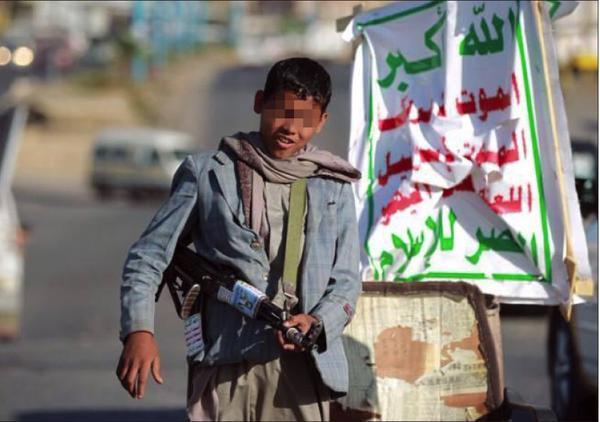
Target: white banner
451, 129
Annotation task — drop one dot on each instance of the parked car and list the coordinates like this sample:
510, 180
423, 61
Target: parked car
137, 161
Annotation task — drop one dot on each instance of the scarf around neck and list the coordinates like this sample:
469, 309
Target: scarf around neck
256, 167
309, 162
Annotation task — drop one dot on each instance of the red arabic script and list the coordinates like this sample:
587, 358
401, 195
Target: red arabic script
398, 203
505, 206
502, 157
400, 166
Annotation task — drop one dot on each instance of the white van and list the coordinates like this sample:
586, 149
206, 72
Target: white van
137, 160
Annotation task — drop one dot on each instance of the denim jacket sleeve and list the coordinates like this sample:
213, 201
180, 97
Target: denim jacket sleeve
337, 305
151, 254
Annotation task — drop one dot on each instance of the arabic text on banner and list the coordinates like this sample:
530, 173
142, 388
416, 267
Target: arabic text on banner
450, 128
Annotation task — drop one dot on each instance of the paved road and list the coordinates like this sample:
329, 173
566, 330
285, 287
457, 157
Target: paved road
63, 367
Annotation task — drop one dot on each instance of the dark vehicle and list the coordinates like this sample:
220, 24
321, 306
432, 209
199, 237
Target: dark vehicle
585, 166
573, 345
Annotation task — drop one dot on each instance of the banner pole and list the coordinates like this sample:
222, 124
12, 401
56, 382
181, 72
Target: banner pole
569, 260
341, 23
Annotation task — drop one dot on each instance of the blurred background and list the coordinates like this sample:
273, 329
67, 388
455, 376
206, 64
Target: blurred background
99, 102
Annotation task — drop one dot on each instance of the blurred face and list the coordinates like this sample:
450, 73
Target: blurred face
287, 122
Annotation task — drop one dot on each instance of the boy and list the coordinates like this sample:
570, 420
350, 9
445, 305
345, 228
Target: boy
235, 204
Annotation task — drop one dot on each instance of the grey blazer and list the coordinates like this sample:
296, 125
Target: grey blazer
205, 200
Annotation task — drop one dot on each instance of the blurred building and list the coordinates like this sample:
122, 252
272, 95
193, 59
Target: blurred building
80, 22
64, 35
58, 34
269, 30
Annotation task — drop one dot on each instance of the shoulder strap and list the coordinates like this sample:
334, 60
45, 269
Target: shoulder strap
291, 261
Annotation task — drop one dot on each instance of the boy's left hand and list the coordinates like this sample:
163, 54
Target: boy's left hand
302, 322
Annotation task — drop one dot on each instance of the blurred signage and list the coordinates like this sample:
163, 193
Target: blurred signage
452, 129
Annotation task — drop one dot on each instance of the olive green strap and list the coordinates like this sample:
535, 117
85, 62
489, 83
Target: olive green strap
295, 222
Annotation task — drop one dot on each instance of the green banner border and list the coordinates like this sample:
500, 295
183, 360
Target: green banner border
470, 276
399, 15
537, 163
536, 153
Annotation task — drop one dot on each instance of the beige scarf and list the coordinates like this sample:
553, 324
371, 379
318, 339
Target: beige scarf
310, 162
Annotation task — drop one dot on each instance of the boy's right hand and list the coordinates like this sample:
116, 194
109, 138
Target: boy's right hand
139, 356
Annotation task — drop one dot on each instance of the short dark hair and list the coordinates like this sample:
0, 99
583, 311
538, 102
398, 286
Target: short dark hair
303, 76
